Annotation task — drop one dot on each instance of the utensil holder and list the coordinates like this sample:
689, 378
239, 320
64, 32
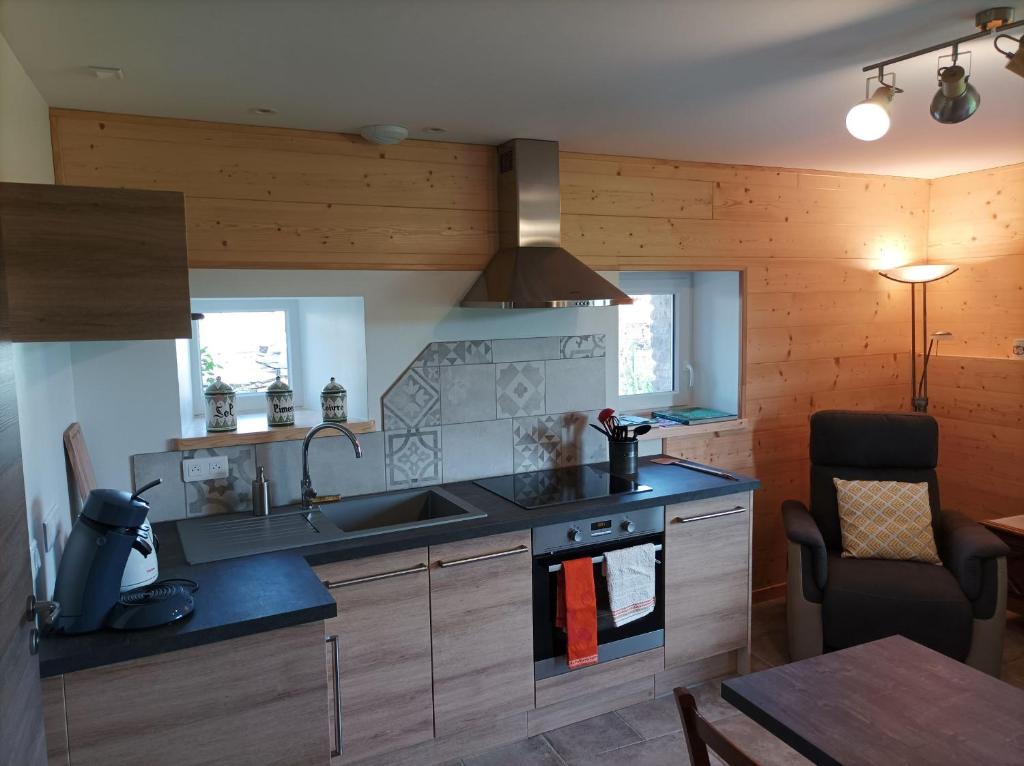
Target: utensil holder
623, 457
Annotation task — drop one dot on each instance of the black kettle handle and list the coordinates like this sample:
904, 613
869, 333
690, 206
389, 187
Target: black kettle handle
138, 493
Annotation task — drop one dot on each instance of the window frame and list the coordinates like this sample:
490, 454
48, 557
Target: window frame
248, 402
680, 286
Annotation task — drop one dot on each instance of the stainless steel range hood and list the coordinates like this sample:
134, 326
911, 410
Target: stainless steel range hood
531, 270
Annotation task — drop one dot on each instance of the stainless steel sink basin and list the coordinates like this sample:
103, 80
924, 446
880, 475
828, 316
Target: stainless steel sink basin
394, 511
234, 535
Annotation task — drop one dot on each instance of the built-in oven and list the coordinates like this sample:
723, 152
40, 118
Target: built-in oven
592, 537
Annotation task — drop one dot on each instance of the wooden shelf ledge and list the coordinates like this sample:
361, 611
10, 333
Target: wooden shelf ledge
253, 429
673, 432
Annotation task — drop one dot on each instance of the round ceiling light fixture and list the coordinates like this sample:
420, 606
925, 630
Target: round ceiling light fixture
384, 134
869, 120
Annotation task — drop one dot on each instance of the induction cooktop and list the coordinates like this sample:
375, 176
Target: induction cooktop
539, 489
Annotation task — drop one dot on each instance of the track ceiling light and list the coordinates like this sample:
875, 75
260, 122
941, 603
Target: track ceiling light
956, 99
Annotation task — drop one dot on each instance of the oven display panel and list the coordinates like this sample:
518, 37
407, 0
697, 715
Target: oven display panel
601, 527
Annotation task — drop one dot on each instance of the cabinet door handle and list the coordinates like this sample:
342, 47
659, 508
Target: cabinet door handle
680, 520
371, 578
336, 655
485, 557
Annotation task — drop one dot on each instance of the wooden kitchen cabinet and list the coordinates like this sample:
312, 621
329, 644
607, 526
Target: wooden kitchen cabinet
707, 577
481, 595
249, 700
383, 628
94, 264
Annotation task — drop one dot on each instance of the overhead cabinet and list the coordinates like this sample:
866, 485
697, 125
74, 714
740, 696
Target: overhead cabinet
94, 264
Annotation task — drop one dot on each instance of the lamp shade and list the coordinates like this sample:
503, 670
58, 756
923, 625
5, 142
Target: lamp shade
869, 120
956, 99
917, 273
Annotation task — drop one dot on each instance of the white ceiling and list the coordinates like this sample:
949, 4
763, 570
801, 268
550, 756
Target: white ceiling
764, 82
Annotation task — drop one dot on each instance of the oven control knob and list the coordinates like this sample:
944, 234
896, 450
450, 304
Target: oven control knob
628, 526
575, 535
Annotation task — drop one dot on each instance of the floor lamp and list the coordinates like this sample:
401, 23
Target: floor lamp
914, 275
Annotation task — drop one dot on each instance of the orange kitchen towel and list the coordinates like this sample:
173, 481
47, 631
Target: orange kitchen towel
576, 611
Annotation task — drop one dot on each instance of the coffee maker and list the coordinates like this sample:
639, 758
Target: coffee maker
110, 527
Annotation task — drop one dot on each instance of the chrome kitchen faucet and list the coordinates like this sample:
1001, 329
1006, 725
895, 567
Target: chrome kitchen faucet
308, 493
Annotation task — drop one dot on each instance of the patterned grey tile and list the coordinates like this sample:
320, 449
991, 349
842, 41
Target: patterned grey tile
230, 495
581, 444
527, 752
468, 393
653, 718
473, 450
536, 443
333, 467
572, 385
447, 353
414, 400
758, 743
578, 346
166, 500
526, 349
669, 750
520, 389
593, 736
413, 458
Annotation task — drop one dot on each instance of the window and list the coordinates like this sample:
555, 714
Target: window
654, 340
247, 343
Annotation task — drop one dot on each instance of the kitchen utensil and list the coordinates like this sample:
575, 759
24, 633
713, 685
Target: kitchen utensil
694, 467
641, 430
600, 430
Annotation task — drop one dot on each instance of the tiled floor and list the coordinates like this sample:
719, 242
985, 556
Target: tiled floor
649, 734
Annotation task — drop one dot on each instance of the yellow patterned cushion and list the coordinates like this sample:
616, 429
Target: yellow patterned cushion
886, 520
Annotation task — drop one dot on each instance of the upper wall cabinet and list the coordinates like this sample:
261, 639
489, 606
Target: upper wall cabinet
94, 264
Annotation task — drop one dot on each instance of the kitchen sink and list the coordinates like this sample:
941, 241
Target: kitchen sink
394, 511
234, 535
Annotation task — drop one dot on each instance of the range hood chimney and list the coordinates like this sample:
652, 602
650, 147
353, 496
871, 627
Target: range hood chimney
530, 269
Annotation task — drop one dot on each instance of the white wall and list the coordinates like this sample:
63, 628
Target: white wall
717, 308
333, 343
404, 311
126, 396
42, 370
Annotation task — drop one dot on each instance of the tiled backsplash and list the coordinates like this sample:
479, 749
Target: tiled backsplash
462, 410
466, 409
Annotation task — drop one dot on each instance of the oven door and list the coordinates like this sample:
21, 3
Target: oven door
549, 644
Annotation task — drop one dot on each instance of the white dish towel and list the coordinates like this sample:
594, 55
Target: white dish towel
630, 575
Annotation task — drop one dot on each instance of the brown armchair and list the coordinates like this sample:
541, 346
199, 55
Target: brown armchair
958, 608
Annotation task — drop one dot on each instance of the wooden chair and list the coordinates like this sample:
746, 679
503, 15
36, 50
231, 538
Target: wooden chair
702, 736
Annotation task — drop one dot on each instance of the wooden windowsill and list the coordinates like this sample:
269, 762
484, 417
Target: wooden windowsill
253, 429
672, 432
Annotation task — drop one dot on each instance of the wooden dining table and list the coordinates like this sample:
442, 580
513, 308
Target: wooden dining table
890, 702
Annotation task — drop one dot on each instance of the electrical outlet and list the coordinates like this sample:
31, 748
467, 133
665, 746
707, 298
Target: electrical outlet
217, 467
1018, 348
194, 470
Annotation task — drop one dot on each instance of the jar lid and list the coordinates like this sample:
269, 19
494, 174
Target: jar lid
219, 387
278, 387
334, 387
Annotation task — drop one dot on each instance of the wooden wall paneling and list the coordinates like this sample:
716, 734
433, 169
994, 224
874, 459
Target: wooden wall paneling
822, 328
976, 221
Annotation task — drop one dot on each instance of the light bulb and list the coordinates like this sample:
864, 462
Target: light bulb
869, 120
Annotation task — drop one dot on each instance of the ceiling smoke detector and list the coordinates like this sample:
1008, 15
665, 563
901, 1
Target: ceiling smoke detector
384, 134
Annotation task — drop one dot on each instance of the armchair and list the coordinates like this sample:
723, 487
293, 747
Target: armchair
958, 609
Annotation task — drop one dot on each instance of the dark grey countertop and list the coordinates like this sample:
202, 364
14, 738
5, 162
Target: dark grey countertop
238, 597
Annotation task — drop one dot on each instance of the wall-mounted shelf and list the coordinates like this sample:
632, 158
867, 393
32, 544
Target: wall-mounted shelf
253, 429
